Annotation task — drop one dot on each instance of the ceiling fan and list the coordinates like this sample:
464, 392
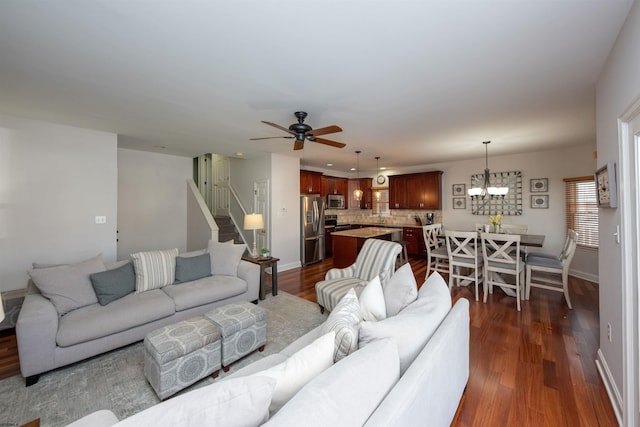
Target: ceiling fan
302, 131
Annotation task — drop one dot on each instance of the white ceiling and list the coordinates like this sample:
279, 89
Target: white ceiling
414, 82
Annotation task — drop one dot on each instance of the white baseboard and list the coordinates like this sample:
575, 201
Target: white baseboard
289, 266
609, 385
585, 276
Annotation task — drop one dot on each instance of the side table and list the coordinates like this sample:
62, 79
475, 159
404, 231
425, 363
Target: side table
264, 263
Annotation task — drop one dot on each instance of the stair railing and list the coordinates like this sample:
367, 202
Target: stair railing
237, 212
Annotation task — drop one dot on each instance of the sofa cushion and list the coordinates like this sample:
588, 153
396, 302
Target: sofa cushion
192, 268
400, 290
154, 269
292, 374
113, 284
68, 286
96, 321
372, 305
413, 326
225, 257
236, 402
204, 291
344, 320
346, 393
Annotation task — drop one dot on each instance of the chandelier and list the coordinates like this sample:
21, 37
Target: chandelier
487, 189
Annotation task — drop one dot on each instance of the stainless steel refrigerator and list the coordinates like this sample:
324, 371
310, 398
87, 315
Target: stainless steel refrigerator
311, 229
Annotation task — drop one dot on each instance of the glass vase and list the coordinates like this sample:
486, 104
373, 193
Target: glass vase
496, 228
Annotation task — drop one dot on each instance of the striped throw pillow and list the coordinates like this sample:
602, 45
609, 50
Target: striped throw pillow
345, 320
154, 269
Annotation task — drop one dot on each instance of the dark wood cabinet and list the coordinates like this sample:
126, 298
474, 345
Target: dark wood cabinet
328, 241
367, 194
333, 185
310, 182
416, 191
415, 241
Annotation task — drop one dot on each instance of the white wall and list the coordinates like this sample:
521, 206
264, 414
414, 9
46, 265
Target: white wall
618, 87
152, 201
54, 180
285, 210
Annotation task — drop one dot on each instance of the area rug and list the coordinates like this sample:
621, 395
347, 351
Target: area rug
116, 380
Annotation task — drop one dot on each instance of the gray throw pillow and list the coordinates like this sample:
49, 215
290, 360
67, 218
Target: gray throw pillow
113, 284
192, 268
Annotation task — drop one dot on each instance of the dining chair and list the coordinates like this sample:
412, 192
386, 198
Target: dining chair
465, 263
516, 229
543, 271
437, 255
502, 262
565, 247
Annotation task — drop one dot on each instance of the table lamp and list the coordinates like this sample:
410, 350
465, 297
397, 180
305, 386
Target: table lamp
253, 222
1, 308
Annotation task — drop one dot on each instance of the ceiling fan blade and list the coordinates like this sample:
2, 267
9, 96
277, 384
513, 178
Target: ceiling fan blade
278, 127
270, 137
298, 145
324, 130
329, 142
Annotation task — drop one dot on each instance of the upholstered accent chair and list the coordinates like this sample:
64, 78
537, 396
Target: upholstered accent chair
376, 258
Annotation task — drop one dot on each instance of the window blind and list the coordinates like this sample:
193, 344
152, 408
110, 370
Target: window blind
582, 209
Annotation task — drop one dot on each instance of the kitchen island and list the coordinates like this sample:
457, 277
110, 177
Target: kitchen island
347, 243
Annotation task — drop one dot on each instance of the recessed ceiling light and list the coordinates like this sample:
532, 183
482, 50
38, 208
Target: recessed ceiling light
382, 168
329, 164
352, 169
239, 154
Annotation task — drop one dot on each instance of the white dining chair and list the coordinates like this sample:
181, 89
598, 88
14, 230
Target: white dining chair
502, 263
465, 262
565, 248
543, 272
437, 256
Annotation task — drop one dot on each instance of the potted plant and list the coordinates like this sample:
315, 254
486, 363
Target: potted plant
495, 220
264, 253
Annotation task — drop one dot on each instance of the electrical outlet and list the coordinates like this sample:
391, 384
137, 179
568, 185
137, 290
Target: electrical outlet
101, 219
609, 331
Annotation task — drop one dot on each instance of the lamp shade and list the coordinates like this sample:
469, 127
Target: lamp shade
253, 222
1, 309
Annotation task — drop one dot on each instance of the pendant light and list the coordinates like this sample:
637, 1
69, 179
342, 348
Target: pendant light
357, 193
487, 188
377, 193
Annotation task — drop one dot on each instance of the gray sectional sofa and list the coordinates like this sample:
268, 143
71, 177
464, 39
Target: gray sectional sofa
409, 369
54, 330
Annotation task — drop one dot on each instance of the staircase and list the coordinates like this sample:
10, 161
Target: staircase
226, 230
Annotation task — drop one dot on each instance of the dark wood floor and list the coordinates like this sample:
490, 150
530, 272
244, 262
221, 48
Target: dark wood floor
532, 368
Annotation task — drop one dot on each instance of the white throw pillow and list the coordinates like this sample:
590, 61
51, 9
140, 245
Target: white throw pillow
225, 257
413, 326
233, 403
400, 290
372, 305
292, 374
345, 321
154, 269
347, 393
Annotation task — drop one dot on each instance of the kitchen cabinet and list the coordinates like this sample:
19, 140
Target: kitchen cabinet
416, 191
310, 182
333, 185
415, 241
328, 241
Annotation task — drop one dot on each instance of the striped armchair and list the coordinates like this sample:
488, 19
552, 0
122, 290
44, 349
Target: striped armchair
376, 258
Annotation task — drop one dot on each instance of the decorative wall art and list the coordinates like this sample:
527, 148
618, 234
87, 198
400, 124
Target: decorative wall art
539, 185
459, 203
459, 190
606, 187
510, 204
539, 201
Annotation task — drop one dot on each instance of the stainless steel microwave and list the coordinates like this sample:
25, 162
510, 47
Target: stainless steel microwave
335, 201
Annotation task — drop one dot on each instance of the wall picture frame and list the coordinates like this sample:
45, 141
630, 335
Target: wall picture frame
459, 190
606, 186
539, 185
459, 203
539, 201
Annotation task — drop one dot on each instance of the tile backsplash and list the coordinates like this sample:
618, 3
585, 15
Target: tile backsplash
403, 217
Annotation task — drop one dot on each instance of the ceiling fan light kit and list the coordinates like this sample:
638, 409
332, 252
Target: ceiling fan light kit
302, 131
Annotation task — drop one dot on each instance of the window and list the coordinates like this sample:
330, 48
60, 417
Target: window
582, 209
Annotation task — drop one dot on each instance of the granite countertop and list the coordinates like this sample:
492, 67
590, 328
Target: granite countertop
366, 233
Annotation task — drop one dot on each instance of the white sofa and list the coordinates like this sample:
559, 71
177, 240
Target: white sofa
380, 384
48, 339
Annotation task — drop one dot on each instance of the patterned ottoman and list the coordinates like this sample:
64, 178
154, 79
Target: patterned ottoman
243, 327
178, 355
